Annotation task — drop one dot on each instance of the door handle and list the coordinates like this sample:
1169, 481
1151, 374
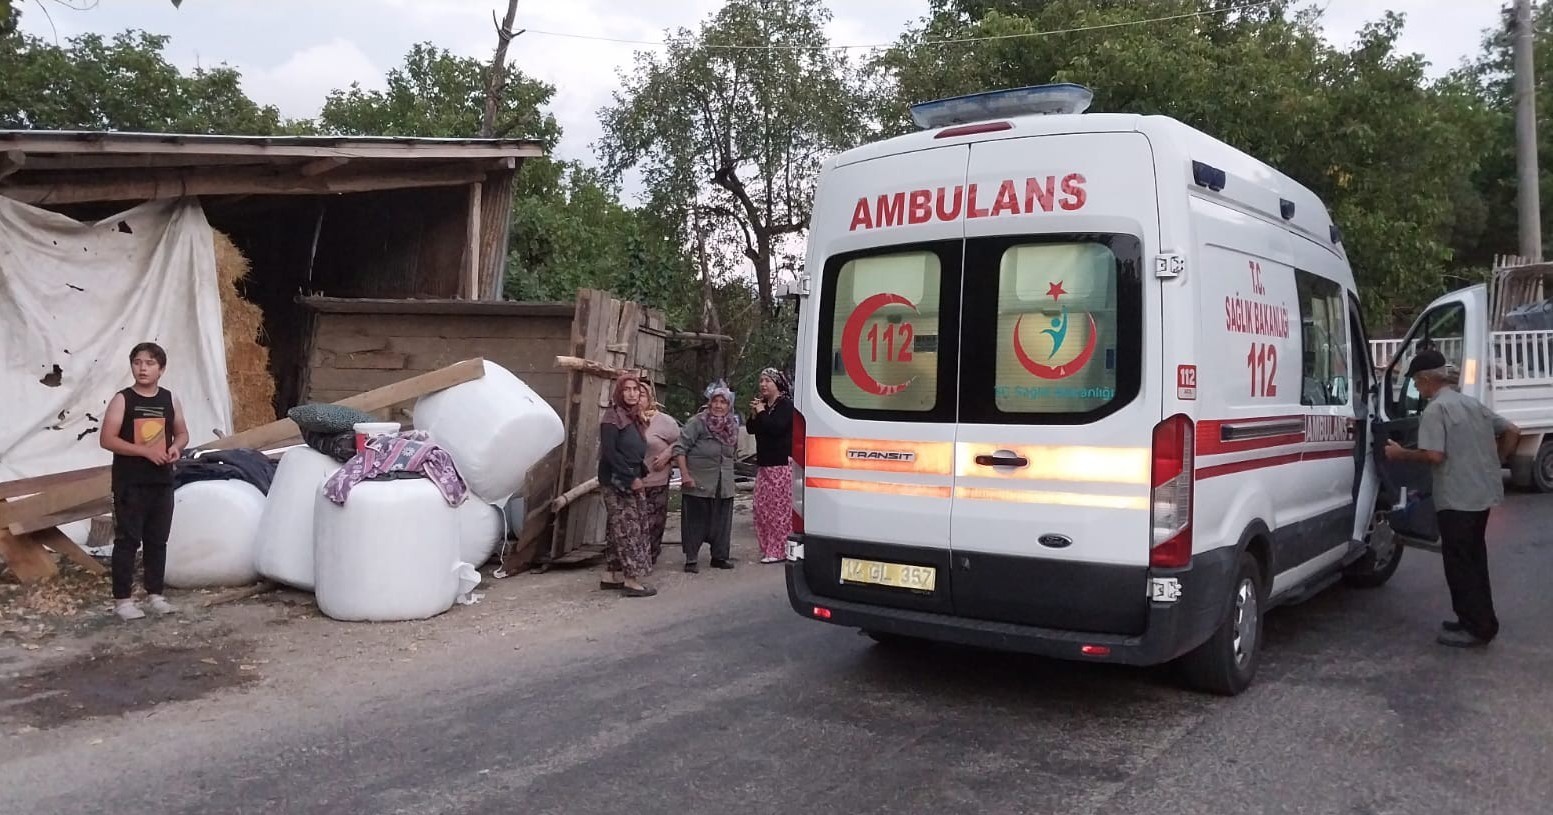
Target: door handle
1002, 461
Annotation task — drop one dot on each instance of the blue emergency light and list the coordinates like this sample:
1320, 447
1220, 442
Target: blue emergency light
1034, 100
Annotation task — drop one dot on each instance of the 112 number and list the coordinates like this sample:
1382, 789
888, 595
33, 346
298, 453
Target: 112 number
1263, 362
897, 342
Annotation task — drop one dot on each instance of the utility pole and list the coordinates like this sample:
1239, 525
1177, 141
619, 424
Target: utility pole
1528, 194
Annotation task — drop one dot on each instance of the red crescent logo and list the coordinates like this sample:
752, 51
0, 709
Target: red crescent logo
852, 344
1064, 370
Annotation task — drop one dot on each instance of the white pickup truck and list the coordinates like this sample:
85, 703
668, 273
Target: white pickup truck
1499, 335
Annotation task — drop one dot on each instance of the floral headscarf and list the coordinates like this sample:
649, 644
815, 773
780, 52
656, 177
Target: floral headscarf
649, 404
783, 385
620, 414
724, 428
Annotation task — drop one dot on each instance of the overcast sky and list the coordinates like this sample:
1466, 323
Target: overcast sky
292, 52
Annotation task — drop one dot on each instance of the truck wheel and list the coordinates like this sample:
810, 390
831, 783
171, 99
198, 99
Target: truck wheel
1226, 663
1542, 468
1379, 561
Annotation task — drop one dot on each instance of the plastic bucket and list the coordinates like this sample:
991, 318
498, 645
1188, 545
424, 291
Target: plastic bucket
369, 430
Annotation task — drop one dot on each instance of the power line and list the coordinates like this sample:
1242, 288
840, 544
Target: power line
958, 41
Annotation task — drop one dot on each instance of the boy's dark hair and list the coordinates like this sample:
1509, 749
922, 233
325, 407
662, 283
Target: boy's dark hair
151, 348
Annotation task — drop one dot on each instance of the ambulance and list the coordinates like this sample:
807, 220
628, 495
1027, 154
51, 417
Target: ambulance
1090, 386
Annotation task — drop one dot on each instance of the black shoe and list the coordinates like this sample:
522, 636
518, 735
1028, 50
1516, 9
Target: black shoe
722, 564
692, 568
1451, 626
1459, 639
644, 591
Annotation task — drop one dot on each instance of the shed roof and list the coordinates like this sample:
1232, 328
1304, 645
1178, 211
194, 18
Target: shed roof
63, 167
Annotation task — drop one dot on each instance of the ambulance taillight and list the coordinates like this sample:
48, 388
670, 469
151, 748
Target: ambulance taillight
1170, 498
800, 439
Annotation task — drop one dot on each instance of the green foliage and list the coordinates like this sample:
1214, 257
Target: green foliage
1394, 155
732, 135
436, 93
123, 83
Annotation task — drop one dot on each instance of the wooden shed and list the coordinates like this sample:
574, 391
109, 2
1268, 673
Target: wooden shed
372, 259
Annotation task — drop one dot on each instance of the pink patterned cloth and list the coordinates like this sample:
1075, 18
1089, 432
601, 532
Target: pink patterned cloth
773, 509
411, 452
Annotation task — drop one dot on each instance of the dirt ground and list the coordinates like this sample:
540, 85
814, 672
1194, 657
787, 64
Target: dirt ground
64, 656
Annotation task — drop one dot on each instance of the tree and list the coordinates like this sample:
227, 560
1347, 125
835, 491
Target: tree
125, 83
569, 229
1393, 154
729, 126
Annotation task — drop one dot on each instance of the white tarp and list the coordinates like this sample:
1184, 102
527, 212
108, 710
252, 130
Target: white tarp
74, 299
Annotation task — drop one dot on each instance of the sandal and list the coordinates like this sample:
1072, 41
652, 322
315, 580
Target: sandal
645, 591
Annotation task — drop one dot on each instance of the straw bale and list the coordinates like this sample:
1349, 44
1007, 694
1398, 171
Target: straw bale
247, 359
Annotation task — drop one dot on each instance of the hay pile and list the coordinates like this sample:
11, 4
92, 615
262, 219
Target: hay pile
247, 360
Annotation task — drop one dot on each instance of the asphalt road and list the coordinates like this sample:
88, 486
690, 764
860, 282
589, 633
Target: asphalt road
718, 699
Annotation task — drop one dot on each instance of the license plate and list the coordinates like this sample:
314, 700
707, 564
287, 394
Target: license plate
894, 575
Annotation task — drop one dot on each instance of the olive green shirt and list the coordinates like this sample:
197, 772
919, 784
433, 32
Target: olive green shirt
710, 461
1466, 431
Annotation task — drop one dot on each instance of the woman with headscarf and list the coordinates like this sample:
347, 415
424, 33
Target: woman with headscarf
622, 453
662, 433
771, 423
706, 450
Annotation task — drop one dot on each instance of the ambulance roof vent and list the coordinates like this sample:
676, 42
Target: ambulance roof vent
979, 107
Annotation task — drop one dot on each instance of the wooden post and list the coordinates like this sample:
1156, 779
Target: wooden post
472, 251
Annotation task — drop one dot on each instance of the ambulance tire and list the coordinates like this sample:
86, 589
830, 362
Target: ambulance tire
1226, 663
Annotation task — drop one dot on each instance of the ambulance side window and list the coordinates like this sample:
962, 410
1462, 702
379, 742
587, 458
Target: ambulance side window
1443, 330
1325, 378
883, 313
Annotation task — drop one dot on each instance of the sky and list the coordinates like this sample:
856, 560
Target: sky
293, 52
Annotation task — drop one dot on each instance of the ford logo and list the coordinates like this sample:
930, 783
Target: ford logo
1053, 541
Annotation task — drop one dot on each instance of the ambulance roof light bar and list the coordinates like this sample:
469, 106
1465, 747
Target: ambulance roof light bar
979, 107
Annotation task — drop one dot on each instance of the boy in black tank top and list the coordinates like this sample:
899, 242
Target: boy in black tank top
145, 431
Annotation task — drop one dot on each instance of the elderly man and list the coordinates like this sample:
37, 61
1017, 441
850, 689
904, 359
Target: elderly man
1464, 443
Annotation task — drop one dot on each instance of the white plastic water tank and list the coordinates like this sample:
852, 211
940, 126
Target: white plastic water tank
495, 427
285, 539
211, 544
481, 529
387, 554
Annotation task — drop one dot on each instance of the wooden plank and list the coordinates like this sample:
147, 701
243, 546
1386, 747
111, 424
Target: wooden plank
26, 558
438, 308
61, 543
368, 360
321, 166
591, 368
158, 184
582, 329
472, 253
350, 343
92, 508
369, 147
442, 326
28, 486
74, 494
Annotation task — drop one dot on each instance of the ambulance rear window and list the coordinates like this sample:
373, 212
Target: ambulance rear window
1053, 328
883, 313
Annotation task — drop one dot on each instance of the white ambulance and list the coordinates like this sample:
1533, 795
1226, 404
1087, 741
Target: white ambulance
1091, 386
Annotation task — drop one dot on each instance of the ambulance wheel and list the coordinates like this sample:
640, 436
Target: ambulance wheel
1226, 663
1379, 561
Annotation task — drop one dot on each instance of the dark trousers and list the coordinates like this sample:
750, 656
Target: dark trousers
142, 517
1464, 551
706, 520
